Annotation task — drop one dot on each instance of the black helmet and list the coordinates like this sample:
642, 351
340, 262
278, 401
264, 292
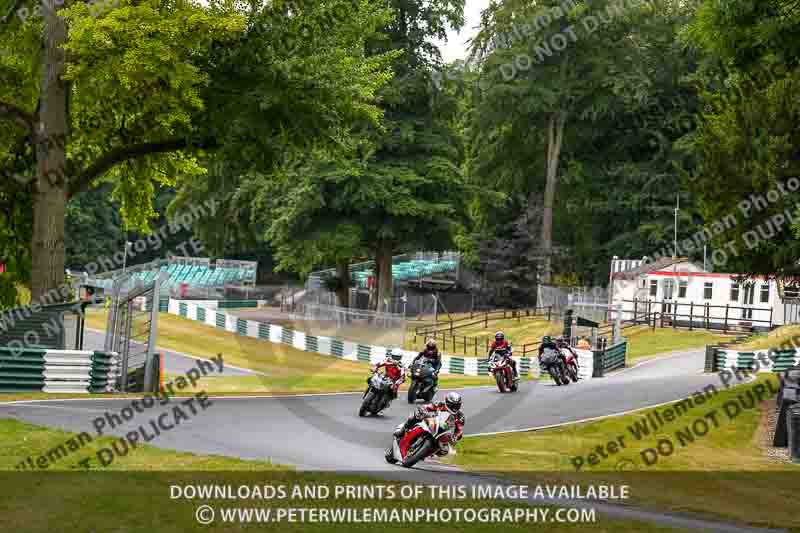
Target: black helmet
396, 355
546, 339
453, 402
430, 344
499, 336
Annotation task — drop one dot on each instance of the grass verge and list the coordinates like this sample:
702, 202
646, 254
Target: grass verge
644, 343
783, 337
135, 493
286, 370
723, 472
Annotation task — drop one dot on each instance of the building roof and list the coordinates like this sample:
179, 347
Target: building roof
658, 264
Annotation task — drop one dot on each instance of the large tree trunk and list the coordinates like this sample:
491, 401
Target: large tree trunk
343, 273
50, 201
555, 134
383, 269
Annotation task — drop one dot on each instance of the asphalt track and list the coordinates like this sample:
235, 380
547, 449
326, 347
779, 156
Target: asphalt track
323, 431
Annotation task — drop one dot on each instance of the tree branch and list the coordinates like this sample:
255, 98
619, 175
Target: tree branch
18, 115
105, 163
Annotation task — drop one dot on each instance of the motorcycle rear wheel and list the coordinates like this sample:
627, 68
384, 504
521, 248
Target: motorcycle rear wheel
419, 453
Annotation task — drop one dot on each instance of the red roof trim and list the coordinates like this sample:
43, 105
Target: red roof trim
679, 273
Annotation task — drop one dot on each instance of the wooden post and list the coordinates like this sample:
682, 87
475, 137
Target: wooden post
635, 311
465, 345
691, 312
770, 317
675, 316
707, 315
486, 320
549, 312
725, 327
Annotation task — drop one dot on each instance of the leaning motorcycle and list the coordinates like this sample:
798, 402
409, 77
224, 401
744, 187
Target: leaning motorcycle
433, 435
571, 363
500, 368
423, 381
552, 362
378, 396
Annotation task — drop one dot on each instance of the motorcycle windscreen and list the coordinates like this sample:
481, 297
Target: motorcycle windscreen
549, 356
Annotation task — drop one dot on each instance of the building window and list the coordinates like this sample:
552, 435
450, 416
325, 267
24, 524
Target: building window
735, 292
653, 287
708, 290
765, 293
682, 285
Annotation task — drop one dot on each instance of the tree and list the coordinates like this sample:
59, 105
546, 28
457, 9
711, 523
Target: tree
580, 116
748, 139
141, 95
397, 186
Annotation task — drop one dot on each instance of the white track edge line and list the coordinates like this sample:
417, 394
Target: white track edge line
581, 421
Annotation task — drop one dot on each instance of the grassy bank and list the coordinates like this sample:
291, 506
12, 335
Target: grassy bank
644, 342
780, 338
134, 493
724, 472
285, 370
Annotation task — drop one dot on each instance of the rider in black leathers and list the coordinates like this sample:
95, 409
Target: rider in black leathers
431, 352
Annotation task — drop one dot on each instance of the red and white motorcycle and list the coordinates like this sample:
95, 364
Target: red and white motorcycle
433, 435
500, 368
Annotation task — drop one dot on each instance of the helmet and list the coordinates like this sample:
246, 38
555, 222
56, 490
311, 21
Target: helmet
546, 339
453, 402
430, 344
396, 354
499, 336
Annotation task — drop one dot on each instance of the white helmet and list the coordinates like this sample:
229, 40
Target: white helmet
453, 402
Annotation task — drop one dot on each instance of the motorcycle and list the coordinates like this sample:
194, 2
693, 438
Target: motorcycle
571, 363
423, 381
552, 362
433, 435
378, 395
500, 368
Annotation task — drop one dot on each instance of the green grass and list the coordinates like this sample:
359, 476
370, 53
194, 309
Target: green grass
726, 472
518, 332
133, 494
287, 370
644, 343
782, 337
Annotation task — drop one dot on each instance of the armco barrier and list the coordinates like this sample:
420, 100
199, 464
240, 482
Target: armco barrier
43, 370
760, 360
608, 358
451, 364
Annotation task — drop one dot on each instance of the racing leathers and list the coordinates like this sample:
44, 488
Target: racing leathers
429, 408
393, 370
434, 357
504, 346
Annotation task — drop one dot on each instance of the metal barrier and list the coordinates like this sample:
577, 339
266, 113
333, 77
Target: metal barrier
131, 332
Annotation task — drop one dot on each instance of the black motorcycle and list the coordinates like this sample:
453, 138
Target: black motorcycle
423, 381
552, 362
378, 396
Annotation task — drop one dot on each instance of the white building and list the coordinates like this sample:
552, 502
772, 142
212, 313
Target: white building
682, 292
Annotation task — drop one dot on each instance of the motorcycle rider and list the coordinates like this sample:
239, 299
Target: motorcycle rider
500, 343
451, 403
431, 353
393, 369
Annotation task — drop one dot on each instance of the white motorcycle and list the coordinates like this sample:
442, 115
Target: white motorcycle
433, 435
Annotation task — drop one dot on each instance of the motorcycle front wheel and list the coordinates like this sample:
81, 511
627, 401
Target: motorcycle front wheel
501, 382
412, 393
365, 405
418, 451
